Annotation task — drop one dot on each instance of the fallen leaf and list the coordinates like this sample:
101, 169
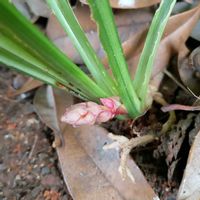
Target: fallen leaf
195, 130
190, 185
177, 31
127, 4
29, 85
51, 195
89, 171
22, 7
189, 70
172, 143
39, 8
127, 21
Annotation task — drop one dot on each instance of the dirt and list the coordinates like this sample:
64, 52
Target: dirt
29, 168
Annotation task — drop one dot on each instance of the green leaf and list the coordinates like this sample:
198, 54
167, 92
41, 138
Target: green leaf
145, 66
26, 44
30, 69
66, 17
102, 14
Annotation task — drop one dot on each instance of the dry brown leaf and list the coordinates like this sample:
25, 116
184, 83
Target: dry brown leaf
38, 7
172, 143
129, 22
28, 86
177, 31
190, 185
127, 4
51, 195
189, 70
89, 171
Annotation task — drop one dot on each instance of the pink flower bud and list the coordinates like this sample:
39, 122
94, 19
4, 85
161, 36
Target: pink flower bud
89, 113
114, 105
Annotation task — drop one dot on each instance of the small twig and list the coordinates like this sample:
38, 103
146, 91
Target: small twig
198, 98
33, 147
173, 107
176, 81
7, 99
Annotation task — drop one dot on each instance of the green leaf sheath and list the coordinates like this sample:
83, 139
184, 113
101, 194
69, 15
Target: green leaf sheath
20, 39
102, 13
66, 17
145, 66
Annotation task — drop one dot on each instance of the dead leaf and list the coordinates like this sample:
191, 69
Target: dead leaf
89, 171
195, 130
189, 70
177, 31
172, 143
190, 185
29, 85
23, 8
128, 23
51, 195
39, 8
127, 4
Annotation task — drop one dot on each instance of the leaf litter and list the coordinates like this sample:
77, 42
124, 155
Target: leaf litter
173, 47
96, 174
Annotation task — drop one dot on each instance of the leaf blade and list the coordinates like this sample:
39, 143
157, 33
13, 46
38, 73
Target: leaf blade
28, 37
66, 17
103, 16
144, 69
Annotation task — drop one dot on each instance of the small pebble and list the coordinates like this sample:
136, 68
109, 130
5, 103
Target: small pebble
36, 191
18, 177
2, 167
42, 156
45, 170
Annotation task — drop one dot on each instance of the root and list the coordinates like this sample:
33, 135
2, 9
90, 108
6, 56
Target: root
172, 116
125, 146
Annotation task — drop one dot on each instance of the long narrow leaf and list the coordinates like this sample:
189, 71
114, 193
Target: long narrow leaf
22, 33
147, 57
30, 69
102, 13
25, 67
66, 17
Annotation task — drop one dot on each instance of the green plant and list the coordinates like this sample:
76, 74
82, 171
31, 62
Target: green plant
24, 48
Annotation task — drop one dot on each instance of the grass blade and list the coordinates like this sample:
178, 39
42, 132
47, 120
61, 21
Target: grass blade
144, 69
102, 14
66, 17
40, 53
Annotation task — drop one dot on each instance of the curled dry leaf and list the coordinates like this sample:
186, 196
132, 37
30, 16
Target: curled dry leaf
39, 7
127, 4
172, 142
29, 85
189, 70
177, 31
89, 171
190, 185
128, 23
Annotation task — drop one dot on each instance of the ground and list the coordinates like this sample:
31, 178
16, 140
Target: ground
29, 168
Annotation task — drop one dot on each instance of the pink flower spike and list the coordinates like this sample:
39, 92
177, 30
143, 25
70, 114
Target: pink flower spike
87, 113
81, 114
